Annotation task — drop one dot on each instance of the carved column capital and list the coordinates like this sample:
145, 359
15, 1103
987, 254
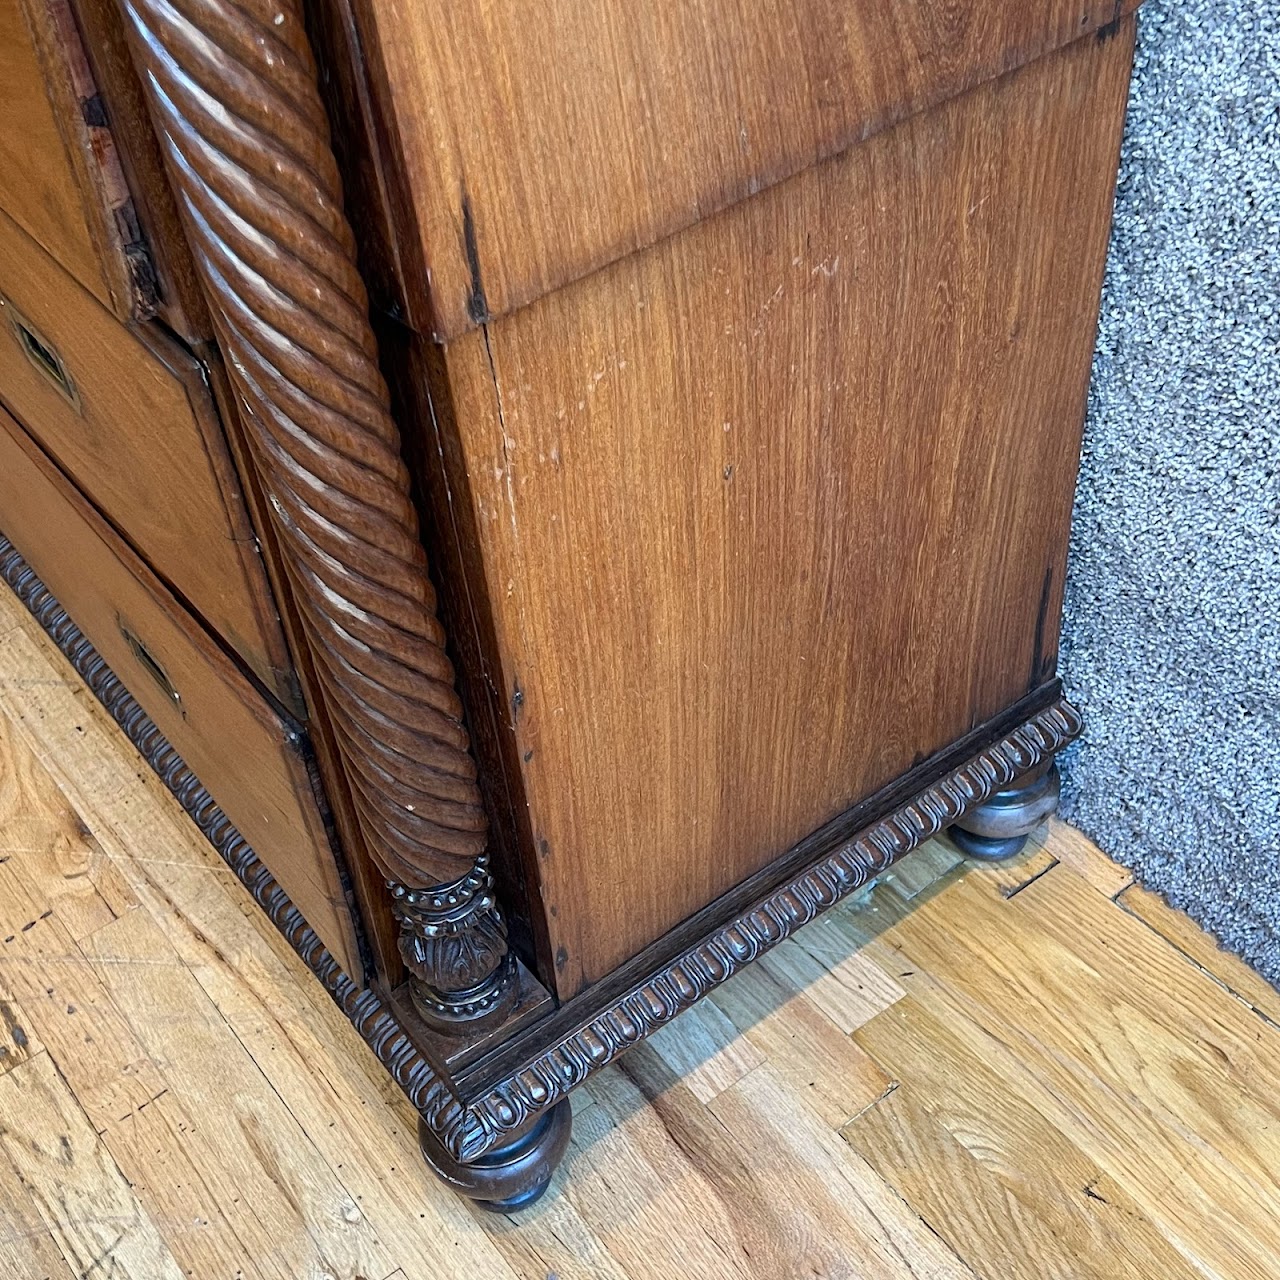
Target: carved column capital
233, 93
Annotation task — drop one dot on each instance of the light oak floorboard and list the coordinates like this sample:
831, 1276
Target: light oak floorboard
82, 1197
1034, 1069
1181, 932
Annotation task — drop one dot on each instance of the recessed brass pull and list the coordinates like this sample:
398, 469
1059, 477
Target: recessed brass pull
153, 668
42, 354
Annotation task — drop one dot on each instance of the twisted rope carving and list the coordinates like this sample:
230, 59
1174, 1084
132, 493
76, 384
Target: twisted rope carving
233, 93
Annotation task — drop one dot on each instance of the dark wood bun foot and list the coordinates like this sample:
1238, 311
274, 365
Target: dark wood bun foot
510, 1176
999, 828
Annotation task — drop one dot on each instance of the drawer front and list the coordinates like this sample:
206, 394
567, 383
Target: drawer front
128, 414
251, 759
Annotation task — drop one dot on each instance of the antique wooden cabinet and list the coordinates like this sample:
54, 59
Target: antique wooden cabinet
562, 492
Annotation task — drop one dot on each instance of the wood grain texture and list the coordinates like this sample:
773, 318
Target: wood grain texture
226, 1201
547, 1059
804, 469
251, 756
60, 857
656, 1177
150, 218
38, 185
1181, 931
277, 1198
124, 256
1084, 858
85, 1202
103, 242
537, 1067
1134, 1075
399, 1055
990, 1173
142, 440
543, 139
28, 1250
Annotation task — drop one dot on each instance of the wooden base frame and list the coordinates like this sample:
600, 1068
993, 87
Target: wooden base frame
496, 1132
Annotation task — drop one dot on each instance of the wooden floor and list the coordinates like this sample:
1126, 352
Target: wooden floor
1036, 1070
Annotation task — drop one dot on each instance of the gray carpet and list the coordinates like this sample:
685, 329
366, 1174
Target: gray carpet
1172, 643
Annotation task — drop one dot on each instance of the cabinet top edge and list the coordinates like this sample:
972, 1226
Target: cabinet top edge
541, 140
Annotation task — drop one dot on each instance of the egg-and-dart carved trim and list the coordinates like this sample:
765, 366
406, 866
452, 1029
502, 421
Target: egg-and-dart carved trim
551, 1072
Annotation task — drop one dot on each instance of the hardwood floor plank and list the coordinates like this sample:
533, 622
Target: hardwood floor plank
28, 1250
18, 1042
84, 1200
249, 1148
654, 1212
1188, 1050
552, 1239
809, 1054
1074, 849
1181, 932
824, 962
61, 861
989, 1173
824, 1195
109, 1071
780, 1229
297, 1037
1012, 876
152, 1146
278, 1011
923, 869
331, 1083
983, 965
706, 1050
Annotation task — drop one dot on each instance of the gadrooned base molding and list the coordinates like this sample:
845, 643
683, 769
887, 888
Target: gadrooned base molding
517, 1125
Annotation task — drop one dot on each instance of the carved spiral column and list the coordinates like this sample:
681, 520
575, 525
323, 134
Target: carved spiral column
233, 95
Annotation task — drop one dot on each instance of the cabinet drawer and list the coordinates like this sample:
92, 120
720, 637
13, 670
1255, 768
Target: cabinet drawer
128, 414
252, 760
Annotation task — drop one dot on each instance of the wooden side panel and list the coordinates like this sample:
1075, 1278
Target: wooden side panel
543, 139
38, 186
250, 759
779, 507
140, 435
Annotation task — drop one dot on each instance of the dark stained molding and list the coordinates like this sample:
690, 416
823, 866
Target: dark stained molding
549, 1073
552, 1070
